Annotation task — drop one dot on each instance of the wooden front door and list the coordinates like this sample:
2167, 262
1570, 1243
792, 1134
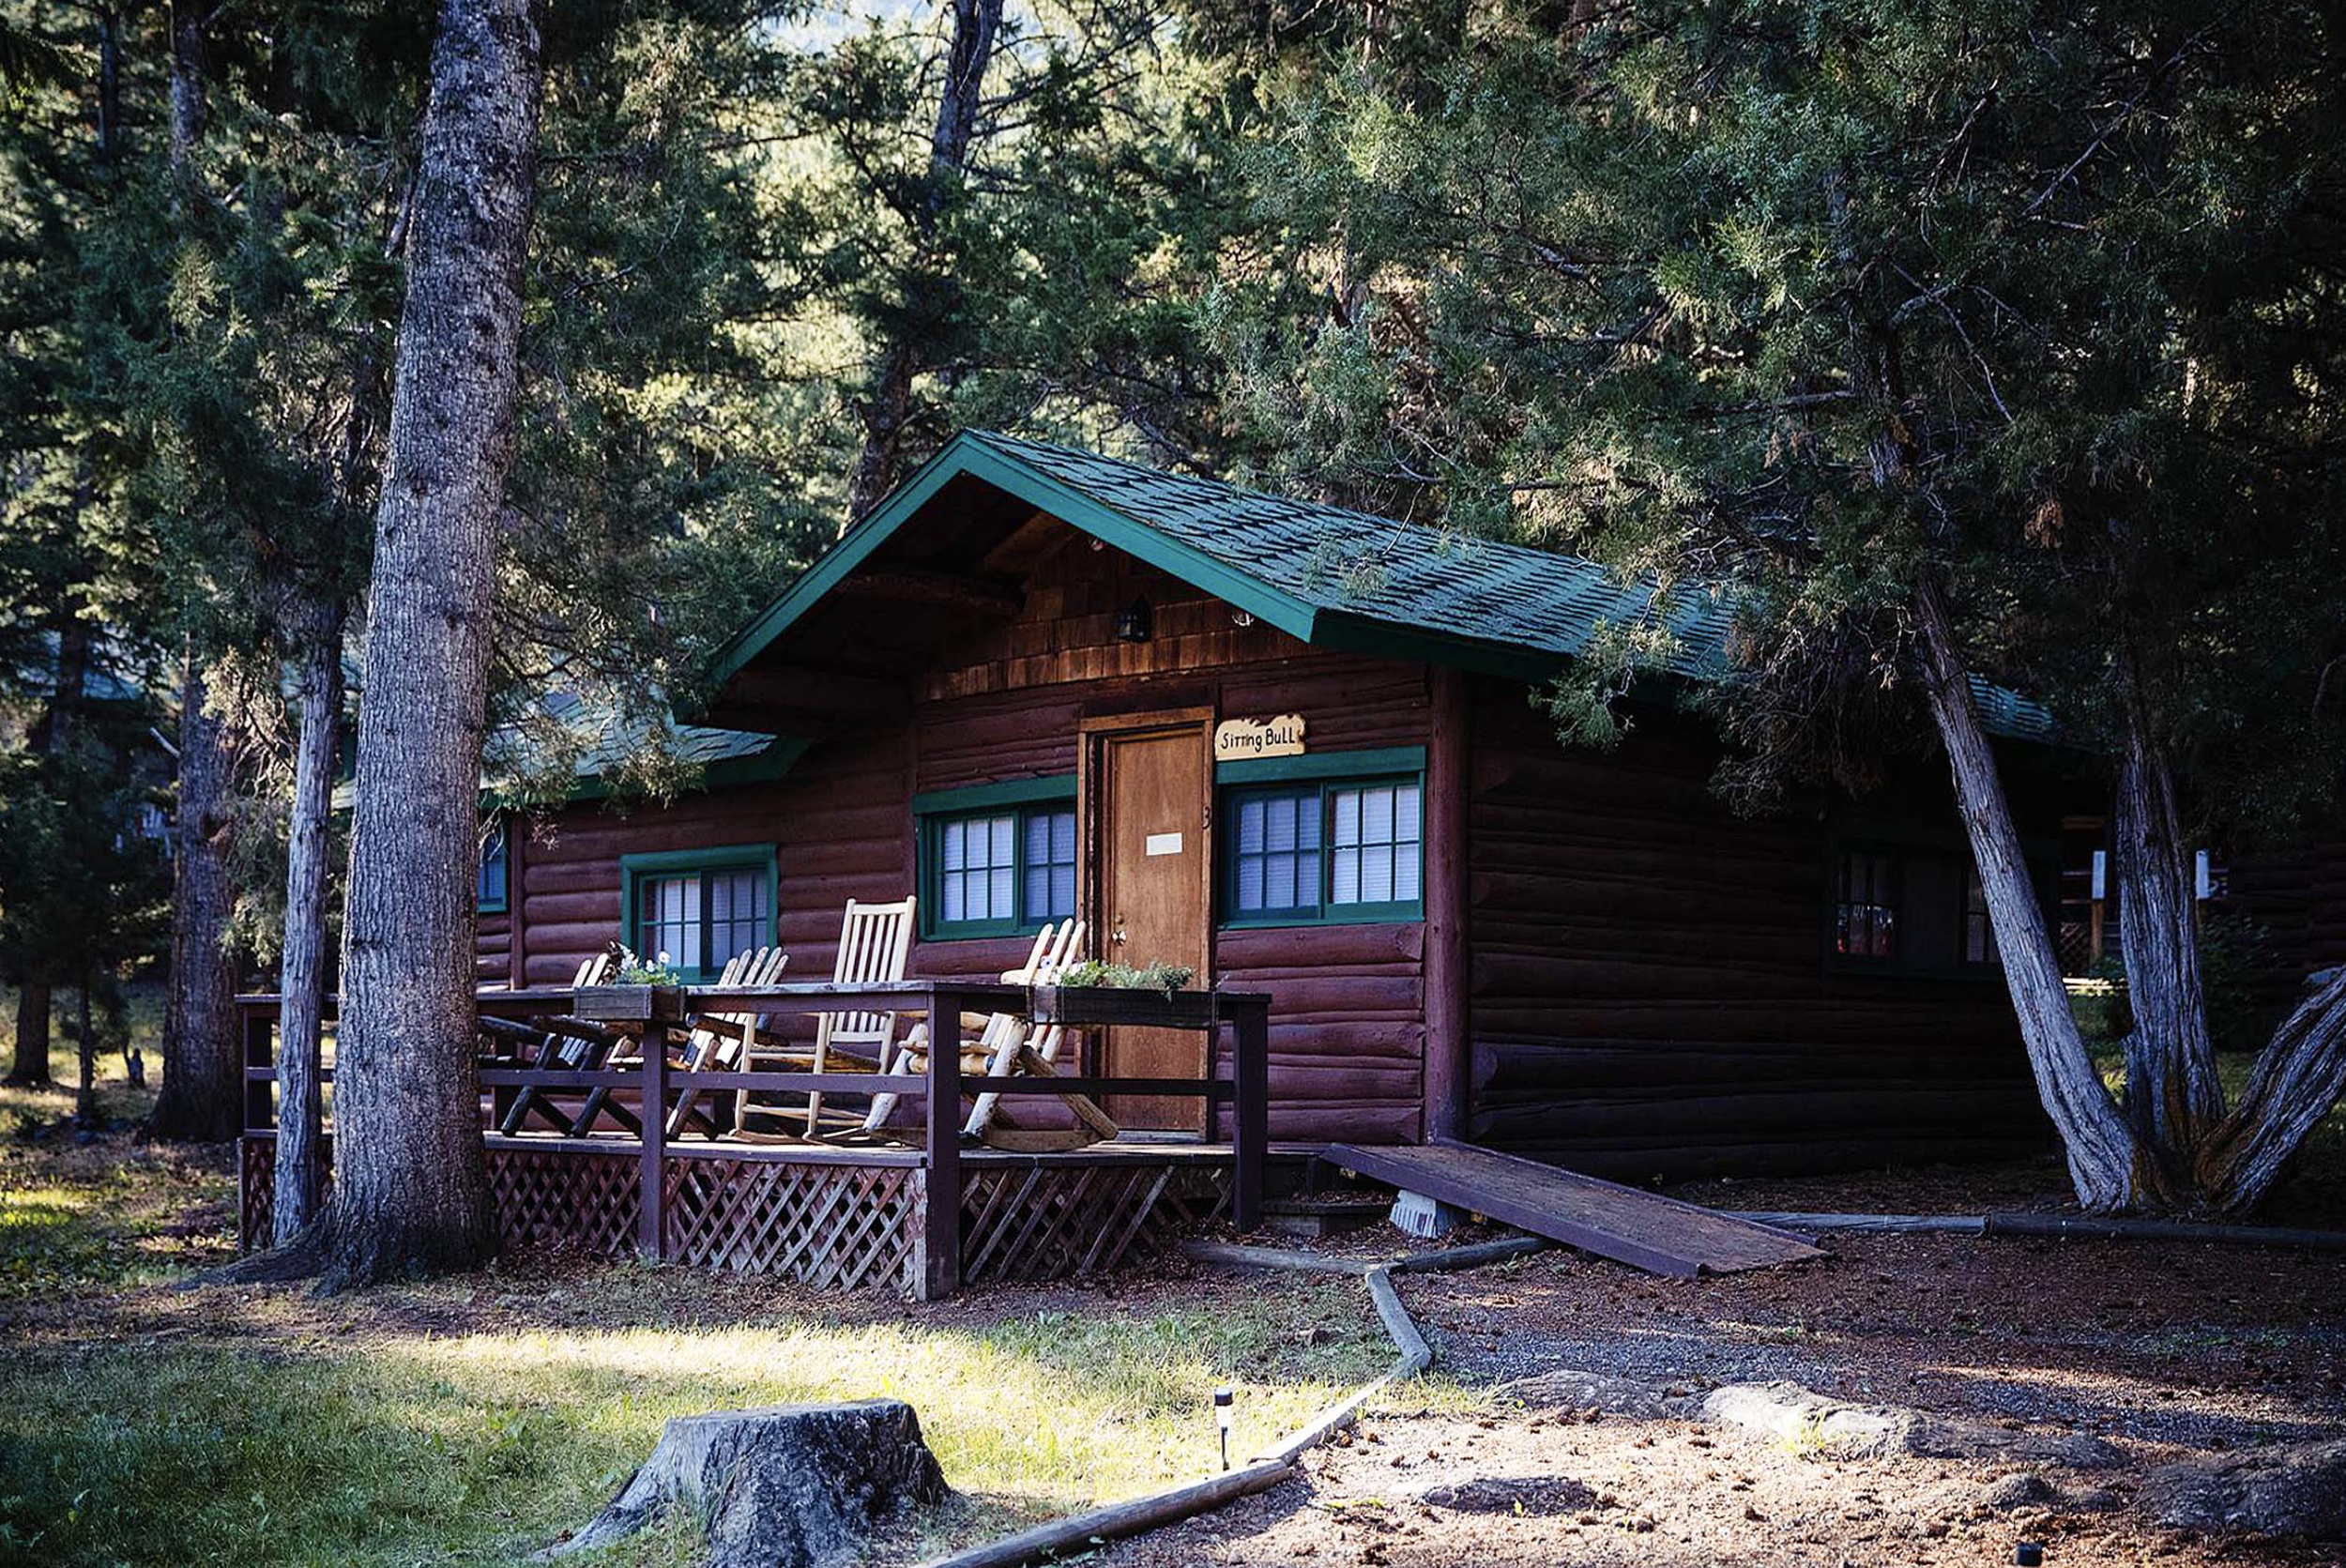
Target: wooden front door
1149, 785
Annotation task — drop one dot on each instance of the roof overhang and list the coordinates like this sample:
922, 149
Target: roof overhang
967, 456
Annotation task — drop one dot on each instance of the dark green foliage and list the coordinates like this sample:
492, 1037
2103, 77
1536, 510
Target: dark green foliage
84, 895
1819, 300
1054, 290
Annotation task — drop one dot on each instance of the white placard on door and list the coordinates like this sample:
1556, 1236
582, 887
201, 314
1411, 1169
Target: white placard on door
1165, 844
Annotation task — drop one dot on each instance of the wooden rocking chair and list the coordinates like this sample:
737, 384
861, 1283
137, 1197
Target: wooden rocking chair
723, 1040
874, 940
1008, 1044
563, 1042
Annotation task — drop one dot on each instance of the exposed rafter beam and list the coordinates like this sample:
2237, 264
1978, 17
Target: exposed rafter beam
911, 584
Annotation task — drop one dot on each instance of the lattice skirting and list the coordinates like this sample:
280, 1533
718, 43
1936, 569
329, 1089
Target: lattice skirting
542, 1197
834, 1224
1049, 1221
256, 1192
827, 1225
548, 1197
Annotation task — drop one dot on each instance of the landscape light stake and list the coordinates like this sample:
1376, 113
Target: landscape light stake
1222, 1416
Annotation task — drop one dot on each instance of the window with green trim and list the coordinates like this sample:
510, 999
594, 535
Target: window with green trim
1328, 851
697, 910
1002, 869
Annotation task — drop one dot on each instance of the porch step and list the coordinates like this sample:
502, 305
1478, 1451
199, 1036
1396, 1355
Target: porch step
1645, 1230
1318, 1218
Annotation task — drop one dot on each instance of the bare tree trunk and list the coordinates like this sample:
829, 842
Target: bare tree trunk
2106, 1165
186, 79
2173, 1095
201, 1096
51, 734
86, 1107
975, 24
30, 1063
410, 1181
2294, 1084
203, 1060
303, 971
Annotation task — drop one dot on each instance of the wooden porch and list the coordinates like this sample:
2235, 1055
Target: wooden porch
871, 1212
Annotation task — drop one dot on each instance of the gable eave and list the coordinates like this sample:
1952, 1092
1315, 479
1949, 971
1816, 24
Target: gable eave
969, 454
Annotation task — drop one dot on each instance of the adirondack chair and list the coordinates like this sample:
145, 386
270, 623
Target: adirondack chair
1007, 1045
559, 1042
722, 1040
1051, 944
875, 939
1035, 1051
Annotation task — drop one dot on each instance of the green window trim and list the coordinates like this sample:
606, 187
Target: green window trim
1020, 799
1315, 766
1319, 777
635, 869
1009, 792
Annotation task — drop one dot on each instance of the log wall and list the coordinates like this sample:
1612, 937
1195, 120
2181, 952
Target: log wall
1348, 1024
1649, 991
1644, 976
2299, 899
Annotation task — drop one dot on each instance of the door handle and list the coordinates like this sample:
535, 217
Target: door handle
1117, 936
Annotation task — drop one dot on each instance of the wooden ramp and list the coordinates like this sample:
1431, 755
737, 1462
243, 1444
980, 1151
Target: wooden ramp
1640, 1228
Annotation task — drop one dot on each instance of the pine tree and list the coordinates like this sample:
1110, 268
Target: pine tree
1952, 341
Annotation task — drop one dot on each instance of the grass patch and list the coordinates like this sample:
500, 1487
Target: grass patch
118, 1096
470, 1421
107, 1217
388, 1446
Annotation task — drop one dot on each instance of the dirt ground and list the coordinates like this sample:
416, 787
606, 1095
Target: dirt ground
2163, 1351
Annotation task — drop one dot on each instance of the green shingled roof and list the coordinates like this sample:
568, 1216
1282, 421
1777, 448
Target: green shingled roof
1326, 575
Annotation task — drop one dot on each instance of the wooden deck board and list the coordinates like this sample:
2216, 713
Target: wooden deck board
1643, 1229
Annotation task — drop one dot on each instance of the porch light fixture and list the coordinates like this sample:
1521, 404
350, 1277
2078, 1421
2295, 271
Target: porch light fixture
1132, 623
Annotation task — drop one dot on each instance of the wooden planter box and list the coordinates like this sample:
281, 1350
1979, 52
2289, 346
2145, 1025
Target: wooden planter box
1121, 1004
634, 1003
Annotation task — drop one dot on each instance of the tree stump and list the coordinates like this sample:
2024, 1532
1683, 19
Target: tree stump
783, 1486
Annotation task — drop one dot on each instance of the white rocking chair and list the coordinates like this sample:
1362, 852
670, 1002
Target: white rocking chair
874, 940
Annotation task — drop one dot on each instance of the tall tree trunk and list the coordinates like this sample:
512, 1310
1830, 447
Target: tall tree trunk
410, 1180
30, 1059
888, 407
86, 1107
302, 972
2173, 1095
2106, 1165
186, 79
52, 733
2295, 1083
200, 1096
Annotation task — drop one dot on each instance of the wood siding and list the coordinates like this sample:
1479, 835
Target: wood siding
1644, 975
2299, 900
1347, 1023
1648, 989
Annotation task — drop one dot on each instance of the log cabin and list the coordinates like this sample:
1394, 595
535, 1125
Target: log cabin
1295, 749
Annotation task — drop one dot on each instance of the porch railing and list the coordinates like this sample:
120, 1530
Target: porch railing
938, 1090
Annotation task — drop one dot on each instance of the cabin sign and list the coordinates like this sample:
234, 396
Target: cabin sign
1237, 739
